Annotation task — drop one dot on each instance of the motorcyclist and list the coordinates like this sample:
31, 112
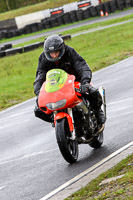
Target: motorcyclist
58, 55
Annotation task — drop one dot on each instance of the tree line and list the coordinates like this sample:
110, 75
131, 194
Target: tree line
7, 5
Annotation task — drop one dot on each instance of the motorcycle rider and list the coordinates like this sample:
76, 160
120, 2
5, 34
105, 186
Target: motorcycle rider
57, 54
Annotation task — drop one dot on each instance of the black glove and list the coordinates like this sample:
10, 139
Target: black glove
84, 89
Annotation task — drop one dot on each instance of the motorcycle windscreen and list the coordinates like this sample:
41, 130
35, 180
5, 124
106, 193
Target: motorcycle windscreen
55, 80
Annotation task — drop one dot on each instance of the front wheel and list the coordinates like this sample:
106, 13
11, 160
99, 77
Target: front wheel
97, 141
67, 146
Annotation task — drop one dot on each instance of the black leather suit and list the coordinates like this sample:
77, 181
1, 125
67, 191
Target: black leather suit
72, 63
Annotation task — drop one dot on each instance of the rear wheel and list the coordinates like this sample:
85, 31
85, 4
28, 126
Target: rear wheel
97, 141
67, 146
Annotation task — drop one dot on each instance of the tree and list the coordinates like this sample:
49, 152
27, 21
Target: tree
7, 5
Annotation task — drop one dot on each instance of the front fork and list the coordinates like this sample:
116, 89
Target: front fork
69, 116
103, 107
73, 135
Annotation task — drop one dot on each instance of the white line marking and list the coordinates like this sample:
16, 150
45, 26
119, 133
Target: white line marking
76, 178
116, 102
2, 187
37, 153
126, 113
16, 106
16, 124
29, 155
20, 113
101, 28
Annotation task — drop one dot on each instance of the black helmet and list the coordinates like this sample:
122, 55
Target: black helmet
52, 44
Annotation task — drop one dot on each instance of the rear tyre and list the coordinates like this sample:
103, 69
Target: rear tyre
67, 146
97, 141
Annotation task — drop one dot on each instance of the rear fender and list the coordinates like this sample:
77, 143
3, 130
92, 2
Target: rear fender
63, 115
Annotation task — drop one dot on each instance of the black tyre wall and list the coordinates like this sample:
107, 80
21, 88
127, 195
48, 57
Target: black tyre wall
128, 3
120, 4
8, 46
54, 22
40, 26
27, 29
2, 54
34, 27
66, 18
86, 14
9, 24
99, 8
106, 7
79, 15
73, 16
16, 33
3, 34
9, 34
14, 51
60, 20
93, 11
31, 46
47, 23
112, 6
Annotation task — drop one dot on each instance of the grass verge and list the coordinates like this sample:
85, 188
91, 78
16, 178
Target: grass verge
99, 49
119, 189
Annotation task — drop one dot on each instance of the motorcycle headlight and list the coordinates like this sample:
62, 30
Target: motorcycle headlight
56, 105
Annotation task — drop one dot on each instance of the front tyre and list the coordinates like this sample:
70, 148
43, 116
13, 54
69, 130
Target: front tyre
67, 146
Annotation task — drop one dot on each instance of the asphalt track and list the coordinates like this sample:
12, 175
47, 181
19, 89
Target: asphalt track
30, 162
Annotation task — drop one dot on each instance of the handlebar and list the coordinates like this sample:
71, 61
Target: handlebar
79, 91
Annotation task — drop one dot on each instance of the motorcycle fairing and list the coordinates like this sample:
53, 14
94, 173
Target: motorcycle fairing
67, 91
55, 80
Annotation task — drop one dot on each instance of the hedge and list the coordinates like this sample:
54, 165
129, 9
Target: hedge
6, 5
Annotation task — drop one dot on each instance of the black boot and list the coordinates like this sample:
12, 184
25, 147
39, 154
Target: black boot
43, 116
100, 116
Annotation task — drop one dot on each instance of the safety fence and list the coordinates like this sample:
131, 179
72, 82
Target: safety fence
7, 49
58, 17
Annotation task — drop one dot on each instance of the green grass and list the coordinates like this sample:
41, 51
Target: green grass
17, 76
99, 49
120, 189
33, 8
105, 47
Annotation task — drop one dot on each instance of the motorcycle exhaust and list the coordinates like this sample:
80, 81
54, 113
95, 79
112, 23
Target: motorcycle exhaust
101, 129
84, 141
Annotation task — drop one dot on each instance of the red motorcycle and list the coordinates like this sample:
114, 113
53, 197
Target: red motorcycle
74, 119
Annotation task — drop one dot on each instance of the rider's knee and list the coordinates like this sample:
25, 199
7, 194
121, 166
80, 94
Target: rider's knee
95, 98
37, 111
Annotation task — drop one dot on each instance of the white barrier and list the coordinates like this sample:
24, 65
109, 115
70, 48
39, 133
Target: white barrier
70, 7
31, 18
27, 19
